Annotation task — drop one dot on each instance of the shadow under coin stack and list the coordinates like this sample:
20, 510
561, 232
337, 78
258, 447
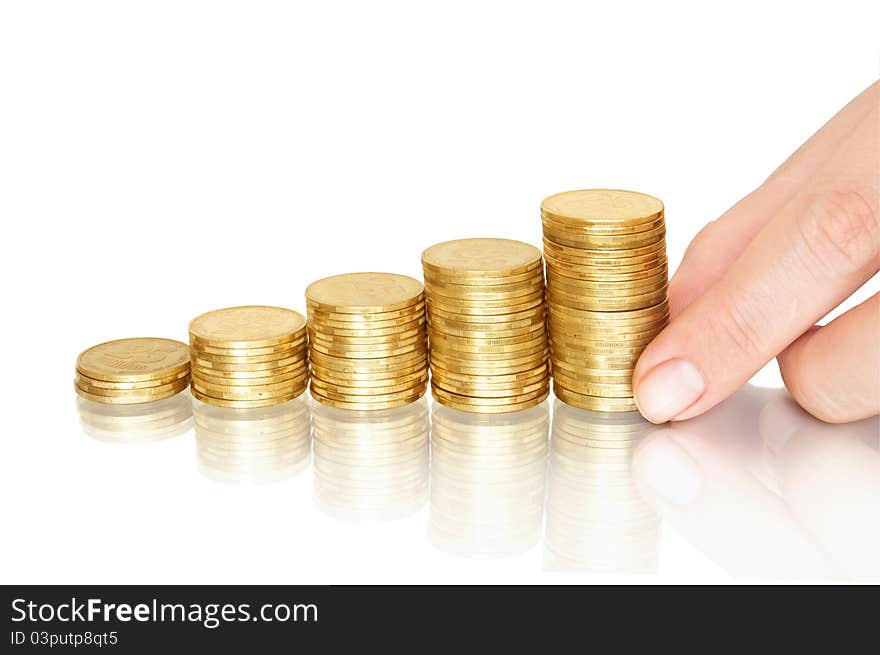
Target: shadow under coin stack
252, 445
251, 356
132, 371
368, 340
606, 291
486, 325
597, 520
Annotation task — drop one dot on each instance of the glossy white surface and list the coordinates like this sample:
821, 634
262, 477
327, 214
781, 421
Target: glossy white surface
162, 159
756, 489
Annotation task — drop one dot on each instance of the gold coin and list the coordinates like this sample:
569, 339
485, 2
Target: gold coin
605, 377
479, 281
265, 368
251, 382
590, 346
601, 207
585, 401
597, 242
598, 389
605, 287
369, 343
573, 368
487, 292
370, 352
249, 392
486, 391
570, 321
517, 381
485, 308
606, 256
441, 356
249, 326
468, 333
510, 293
318, 319
222, 402
532, 313
211, 358
505, 345
343, 380
160, 391
473, 367
608, 274
132, 397
251, 375
103, 384
528, 375
404, 373
407, 313
595, 333
385, 392
316, 328
612, 303
573, 266
489, 406
134, 360
364, 293
481, 257
630, 317
597, 229
388, 363
371, 405
249, 396
279, 349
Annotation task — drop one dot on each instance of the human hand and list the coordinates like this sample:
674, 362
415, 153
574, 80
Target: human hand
753, 283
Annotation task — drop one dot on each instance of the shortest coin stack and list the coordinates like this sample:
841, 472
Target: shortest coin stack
368, 340
251, 356
131, 371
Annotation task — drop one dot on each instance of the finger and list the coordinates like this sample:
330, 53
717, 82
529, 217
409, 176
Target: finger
834, 371
823, 245
830, 480
720, 242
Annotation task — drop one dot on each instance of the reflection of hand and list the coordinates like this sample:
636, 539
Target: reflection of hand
783, 496
753, 283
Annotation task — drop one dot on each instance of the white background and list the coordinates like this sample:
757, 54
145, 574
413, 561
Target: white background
161, 159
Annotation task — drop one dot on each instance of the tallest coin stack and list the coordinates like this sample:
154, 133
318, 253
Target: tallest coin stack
606, 291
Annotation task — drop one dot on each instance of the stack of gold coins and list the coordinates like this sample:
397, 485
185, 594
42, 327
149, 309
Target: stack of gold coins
252, 445
131, 371
367, 339
488, 480
597, 520
486, 324
371, 465
251, 356
606, 291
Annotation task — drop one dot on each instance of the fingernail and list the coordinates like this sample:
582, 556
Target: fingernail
668, 471
668, 389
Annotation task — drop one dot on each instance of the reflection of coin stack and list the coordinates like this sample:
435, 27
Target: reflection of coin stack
252, 445
606, 291
246, 357
371, 465
367, 340
488, 474
140, 423
487, 331
596, 519
132, 371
